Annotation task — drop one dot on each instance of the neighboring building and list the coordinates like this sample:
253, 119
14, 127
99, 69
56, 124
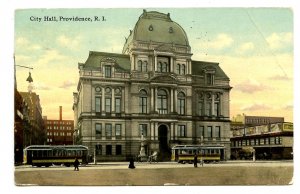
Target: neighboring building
59, 132
255, 120
21, 127
36, 134
153, 89
269, 141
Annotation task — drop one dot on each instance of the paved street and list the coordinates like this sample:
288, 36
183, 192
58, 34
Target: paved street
158, 174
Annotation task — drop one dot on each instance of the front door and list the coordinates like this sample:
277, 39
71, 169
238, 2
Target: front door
164, 149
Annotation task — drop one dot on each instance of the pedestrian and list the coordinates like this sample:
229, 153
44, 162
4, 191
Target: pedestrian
76, 164
131, 163
201, 161
195, 160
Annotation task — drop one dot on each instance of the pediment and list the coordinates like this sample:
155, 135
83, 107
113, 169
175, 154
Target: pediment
164, 79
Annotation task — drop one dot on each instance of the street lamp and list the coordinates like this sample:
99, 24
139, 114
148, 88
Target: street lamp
29, 78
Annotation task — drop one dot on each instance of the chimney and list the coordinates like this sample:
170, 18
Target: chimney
60, 113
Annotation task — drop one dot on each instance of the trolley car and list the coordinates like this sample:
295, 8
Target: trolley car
185, 153
47, 155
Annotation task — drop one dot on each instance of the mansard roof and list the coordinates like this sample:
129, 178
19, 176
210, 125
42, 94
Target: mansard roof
121, 61
199, 68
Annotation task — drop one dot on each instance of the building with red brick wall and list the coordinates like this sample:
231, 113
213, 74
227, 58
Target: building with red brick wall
59, 132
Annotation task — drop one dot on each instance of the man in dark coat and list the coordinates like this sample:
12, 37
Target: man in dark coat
131, 163
76, 164
195, 160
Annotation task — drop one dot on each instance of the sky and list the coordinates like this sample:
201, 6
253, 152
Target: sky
254, 46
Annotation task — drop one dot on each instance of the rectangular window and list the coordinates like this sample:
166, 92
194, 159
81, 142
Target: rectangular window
218, 132
216, 109
98, 127
209, 79
118, 129
98, 149
118, 105
181, 106
107, 71
181, 131
108, 150
108, 105
143, 129
208, 109
200, 108
143, 104
108, 131
118, 149
200, 132
209, 131
98, 103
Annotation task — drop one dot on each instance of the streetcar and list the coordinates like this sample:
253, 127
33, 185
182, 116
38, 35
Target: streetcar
206, 153
47, 155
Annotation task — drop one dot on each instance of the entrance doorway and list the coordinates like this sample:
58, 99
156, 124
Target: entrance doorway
164, 150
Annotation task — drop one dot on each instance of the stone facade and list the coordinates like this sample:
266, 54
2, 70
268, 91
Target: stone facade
153, 89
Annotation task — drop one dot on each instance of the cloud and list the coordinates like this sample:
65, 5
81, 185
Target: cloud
280, 40
289, 107
67, 84
72, 43
280, 78
221, 41
24, 44
248, 46
49, 56
41, 86
250, 86
256, 107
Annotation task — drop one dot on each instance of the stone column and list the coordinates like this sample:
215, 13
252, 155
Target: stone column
171, 64
155, 98
155, 63
175, 132
175, 100
152, 100
172, 100
113, 100
103, 100
172, 131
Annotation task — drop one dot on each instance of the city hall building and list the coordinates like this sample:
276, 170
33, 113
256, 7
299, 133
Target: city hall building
152, 92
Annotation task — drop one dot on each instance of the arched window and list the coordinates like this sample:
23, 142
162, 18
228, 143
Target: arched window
162, 102
178, 69
159, 66
145, 66
140, 65
143, 102
217, 105
181, 103
182, 69
108, 100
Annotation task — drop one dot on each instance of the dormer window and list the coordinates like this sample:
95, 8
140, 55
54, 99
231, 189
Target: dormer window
107, 71
209, 79
209, 75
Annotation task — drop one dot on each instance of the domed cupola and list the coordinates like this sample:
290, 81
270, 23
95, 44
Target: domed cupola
157, 28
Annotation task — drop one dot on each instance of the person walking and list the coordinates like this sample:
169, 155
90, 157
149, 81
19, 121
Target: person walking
76, 164
195, 160
131, 163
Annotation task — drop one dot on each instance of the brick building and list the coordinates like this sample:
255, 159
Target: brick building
35, 133
59, 132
